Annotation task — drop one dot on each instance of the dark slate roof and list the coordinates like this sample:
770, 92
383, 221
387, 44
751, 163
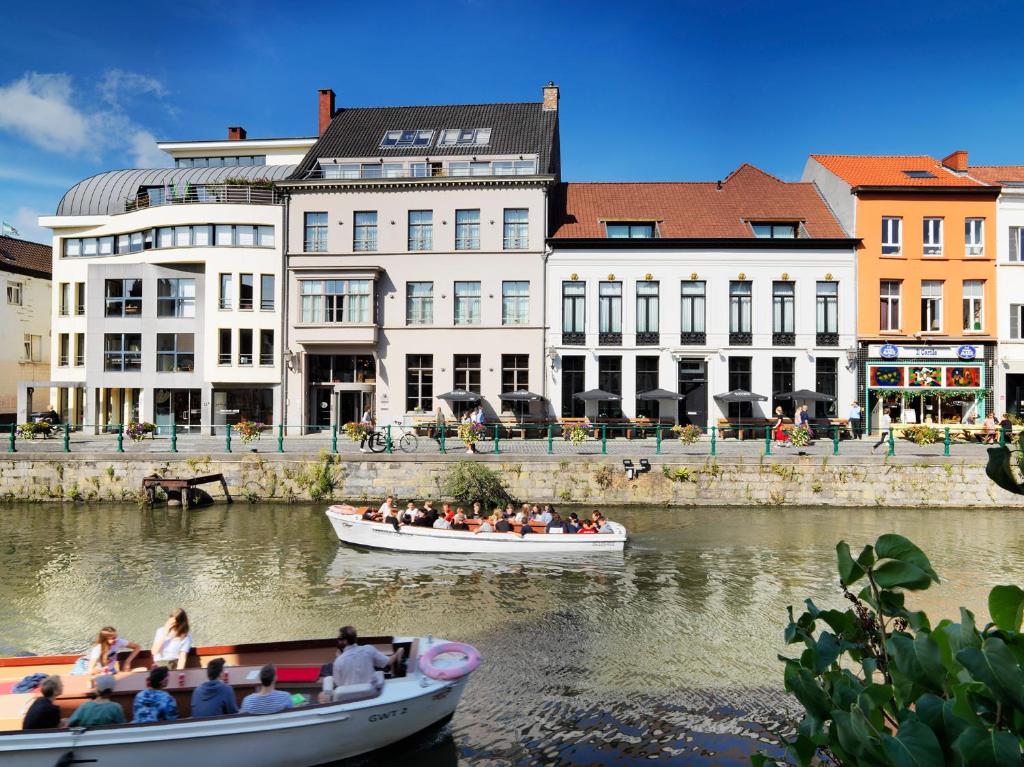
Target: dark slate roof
105, 193
515, 129
25, 257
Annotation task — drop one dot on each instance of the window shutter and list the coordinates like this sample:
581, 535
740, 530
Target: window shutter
1015, 320
1015, 243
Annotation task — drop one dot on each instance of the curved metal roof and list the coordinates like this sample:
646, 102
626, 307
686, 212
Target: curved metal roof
105, 193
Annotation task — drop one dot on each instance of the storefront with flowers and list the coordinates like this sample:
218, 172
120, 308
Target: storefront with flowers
928, 384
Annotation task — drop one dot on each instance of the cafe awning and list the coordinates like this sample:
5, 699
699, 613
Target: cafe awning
805, 395
740, 395
460, 395
520, 396
660, 394
597, 395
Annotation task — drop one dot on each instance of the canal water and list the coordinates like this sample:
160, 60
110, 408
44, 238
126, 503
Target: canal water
665, 654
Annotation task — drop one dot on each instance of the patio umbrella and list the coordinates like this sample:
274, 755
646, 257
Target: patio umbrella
805, 395
460, 395
740, 395
597, 395
660, 394
520, 396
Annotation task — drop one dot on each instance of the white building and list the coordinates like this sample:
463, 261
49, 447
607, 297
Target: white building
700, 289
25, 318
167, 288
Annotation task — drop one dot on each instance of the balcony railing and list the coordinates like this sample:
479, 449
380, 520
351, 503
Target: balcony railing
741, 338
647, 339
609, 339
392, 170
783, 339
266, 359
693, 338
828, 339
184, 194
573, 338
224, 358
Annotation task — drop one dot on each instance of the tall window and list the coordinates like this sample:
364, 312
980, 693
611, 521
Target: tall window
419, 383
245, 346
64, 302
123, 298
783, 307
515, 303
974, 237
889, 305
34, 347
419, 303
79, 349
176, 297
80, 298
245, 292
974, 305
364, 236
573, 383
225, 291
421, 230
609, 378
931, 306
14, 291
122, 352
175, 352
646, 306
826, 381
740, 378
892, 236
315, 240
1017, 321
336, 301
63, 351
515, 372
516, 230
828, 307
783, 382
467, 303
467, 372
467, 230
224, 346
609, 305
574, 306
740, 306
267, 292
267, 346
692, 306
646, 379
932, 237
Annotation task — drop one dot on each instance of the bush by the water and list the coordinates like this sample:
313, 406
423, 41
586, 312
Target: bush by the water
469, 481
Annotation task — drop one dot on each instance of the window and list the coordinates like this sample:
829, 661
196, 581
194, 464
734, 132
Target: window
224, 352
465, 137
421, 230
931, 306
224, 235
64, 299
34, 347
419, 303
123, 298
72, 247
122, 352
889, 305
467, 230
267, 292
267, 346
467, 303
265, 236
337, 301
646, 307
1017, 321
692, 306
245, 346
176, 297
467, 372
774, 231
364, 237
14, 289
933, 237
646, 379
919, 174
892, 236
516, 231
202, 236
79, 298
1016, 240
974, 237
740, 378
573, 383
826, 381
175, 352
574, 307
783, 381
828, 307
609, 379
63, 342
407, 138
515, 303
419, 383
783, 307
245, 292
79, 349
245, 236
609, 307
225, 291
315, 239
974, 305
515, 372
642, 230
514, 167
740, 306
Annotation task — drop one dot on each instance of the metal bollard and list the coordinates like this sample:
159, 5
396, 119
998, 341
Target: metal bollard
604, 439
120, 438
657, 440
892, 443
227, 438
1002, 437
174, 438
387, 440
767, 440
835, 440
280, 438
551, 438
945, 444
10, 445
67, 438
334, 439
441, 438
496, 435
714, 440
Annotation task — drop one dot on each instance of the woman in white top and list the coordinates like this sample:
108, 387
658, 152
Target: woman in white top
172, 641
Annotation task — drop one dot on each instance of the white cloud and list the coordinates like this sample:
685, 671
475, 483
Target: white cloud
26, 221
116, 84
34, 177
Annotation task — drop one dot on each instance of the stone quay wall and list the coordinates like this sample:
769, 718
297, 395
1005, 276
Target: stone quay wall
765, 481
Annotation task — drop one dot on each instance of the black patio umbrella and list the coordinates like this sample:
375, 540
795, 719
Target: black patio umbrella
460, 395
740, 395
805, 395
597, 395
660, 394
520, 396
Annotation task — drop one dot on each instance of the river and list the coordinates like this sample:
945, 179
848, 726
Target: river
665, 654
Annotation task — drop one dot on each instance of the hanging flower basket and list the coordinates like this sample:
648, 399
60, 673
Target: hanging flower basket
799, 436
356, 431
139, 430
249, 430
471, 433
687, 434
577, 434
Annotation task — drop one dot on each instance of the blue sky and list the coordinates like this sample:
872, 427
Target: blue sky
650, 90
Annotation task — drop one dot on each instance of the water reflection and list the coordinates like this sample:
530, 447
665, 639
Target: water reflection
666, 653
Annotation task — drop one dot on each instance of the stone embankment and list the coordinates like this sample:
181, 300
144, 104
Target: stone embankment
700, 481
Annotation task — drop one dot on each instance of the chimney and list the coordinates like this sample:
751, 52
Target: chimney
326, 108
956, 161
550, 97
236, 133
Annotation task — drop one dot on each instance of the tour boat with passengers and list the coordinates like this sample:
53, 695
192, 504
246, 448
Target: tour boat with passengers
349, 523
418, 697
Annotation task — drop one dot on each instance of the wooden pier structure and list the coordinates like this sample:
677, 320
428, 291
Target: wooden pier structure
181, 488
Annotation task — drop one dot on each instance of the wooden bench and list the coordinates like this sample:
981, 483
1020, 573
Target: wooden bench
740, 429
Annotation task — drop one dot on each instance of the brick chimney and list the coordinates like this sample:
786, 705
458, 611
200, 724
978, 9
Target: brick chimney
236, 133
326, 108
956, 161
550, 97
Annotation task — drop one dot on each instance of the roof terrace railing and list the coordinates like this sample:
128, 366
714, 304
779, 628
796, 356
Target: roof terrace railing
389, 170
186, 194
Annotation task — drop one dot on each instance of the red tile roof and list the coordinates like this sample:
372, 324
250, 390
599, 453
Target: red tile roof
888, 170
701, 209
996, 174
24, 256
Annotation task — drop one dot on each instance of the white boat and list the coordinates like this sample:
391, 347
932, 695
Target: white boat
351, 528
304, 736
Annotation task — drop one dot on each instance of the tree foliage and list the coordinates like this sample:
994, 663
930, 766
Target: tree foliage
468, 481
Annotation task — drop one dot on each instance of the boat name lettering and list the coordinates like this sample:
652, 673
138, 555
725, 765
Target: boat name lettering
387, 714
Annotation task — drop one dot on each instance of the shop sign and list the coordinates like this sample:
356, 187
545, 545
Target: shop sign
966, 352
924, 376
894, 351
889, 352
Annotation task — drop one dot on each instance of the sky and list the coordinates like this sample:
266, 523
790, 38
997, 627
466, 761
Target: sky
651, 91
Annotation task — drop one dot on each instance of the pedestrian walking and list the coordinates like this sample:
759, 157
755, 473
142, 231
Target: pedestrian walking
854, 418
886, 426
366, 422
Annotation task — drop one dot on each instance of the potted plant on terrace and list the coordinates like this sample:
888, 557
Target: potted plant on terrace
138, 430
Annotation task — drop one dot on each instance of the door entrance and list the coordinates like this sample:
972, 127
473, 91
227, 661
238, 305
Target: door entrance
180, 407
320, 407
693, 384
351, 405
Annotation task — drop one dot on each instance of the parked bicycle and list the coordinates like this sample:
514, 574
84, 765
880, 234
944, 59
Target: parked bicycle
402, 437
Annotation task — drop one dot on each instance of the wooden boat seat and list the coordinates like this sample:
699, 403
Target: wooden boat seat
350, 693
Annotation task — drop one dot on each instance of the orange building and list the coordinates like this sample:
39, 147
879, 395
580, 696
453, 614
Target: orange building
926, 281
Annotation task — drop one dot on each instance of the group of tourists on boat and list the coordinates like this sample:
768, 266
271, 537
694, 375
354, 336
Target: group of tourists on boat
521, 521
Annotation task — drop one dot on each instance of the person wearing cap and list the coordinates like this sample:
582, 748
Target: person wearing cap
154, 704
102, 710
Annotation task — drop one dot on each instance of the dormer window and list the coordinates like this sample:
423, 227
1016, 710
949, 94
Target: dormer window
465, 137
630, 230
407, 138
774, 230
919, 174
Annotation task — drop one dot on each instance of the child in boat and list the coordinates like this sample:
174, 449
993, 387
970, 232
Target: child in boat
102, 658
587, 528
154, 704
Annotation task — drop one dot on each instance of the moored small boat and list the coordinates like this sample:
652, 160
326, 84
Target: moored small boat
351, 528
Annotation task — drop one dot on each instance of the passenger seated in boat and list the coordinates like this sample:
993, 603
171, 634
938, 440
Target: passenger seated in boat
503, 526
572, 525
266, 699
103, 655
510, 510
356, 663
555, 524
370, 515
391, 518
429, 514
102, 710
478, 510
214, 696
520, 517
44, 713
588, 527
487, 526
525, 529
546, 515
459, 523
154, 704
172, 641
442, 523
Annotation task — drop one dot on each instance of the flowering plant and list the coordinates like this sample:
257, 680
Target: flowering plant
249, 430
30, 430
687, 434
137, 430
471, 433
799, 436
356, 431
577, 433
922, 434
